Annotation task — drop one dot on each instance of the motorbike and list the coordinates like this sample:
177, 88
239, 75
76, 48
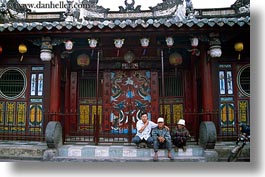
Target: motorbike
236, 151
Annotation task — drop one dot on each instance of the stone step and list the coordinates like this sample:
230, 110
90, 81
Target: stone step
86, 153
224, 148
126, 159
22, 150
25, 150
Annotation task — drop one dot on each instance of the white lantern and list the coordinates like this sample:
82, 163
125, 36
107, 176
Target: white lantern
144, 42
46, 55
68, 45
215, 51
169, 41
194, 42
118, 44
92, 43
46, 49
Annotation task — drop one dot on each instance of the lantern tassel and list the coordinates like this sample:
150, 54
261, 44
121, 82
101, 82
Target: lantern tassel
144, 52
21, 59
92, 53
176, 71
238, 56
118, 52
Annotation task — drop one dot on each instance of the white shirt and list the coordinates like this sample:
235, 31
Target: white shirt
147, 131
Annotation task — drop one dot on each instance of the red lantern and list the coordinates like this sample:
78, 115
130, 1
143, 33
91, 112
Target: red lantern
1, 49
83, 60
175, 59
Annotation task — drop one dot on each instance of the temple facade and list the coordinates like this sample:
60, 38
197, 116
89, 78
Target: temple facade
95, 70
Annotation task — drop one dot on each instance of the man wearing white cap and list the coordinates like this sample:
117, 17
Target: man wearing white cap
180, 135
162, 138
143, 135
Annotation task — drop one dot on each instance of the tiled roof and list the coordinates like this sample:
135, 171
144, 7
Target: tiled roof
144, 23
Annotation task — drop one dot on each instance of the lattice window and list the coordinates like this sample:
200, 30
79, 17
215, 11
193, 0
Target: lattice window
12, 83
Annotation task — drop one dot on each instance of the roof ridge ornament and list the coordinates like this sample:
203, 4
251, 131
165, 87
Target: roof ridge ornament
129, 7
242, 6
12, 10
184, 10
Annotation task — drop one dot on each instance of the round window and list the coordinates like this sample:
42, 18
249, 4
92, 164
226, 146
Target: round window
243, 80
12, 83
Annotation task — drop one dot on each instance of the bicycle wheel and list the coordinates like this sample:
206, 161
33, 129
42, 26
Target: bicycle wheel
234, 154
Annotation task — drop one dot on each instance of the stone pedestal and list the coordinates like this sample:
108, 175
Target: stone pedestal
53, 134
207, 136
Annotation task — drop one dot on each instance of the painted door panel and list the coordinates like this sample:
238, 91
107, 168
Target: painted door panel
130, 95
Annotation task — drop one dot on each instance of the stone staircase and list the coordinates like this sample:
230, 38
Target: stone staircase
90, 153
39, 151
54, 150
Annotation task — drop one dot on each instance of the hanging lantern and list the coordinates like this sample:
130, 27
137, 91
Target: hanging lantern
194, 42
144, 43
46, 55
92, 44
46, 49
215, 50
129, 57
22, 48
239, 46
68, 45
175, 59
83, 60
169, 41
118, 44
1, 49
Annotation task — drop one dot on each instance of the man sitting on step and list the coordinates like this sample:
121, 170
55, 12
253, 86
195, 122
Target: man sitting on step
180, 135
162, 138
143, 136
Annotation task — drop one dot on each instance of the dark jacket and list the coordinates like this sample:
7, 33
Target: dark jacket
182, 134
156, 132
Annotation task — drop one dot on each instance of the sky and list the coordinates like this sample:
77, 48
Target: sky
145, 4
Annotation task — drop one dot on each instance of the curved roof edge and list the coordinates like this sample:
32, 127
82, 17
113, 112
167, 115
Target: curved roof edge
169, 13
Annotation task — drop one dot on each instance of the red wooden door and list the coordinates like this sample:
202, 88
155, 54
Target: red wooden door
130, 95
